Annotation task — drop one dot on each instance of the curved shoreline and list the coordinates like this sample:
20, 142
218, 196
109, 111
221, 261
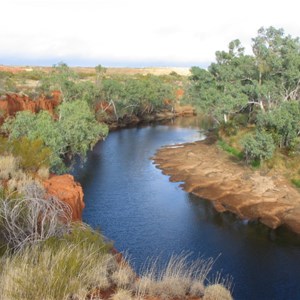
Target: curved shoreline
210, 173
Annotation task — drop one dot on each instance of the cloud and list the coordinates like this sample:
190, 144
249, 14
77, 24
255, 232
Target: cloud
180, 32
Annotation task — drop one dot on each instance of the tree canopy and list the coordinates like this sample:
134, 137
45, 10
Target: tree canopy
264, 87
74, 133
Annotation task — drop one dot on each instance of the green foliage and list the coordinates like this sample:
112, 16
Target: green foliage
267, 78
231, 150
74, 133
230, 128
38, 126
296, 182
136, 95
31, 155
78, 127
61, 78
283, 122
263, 88
259, 146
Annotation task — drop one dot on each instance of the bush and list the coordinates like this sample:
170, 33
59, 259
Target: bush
31, 218
259, 146
29, 155
32, 154
230, 128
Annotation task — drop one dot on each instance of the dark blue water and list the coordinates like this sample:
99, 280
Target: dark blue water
137, 207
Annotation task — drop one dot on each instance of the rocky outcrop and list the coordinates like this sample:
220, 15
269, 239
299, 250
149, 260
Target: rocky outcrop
210, 173
11, 103
66, 189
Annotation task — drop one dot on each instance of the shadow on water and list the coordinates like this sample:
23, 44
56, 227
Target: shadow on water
205, 210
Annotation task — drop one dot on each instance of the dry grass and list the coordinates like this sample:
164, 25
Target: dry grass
8, 167
217, 292
21, 181
175, 279
43, 173
197, 289
46, 273
74, 270
122, 295
124, 277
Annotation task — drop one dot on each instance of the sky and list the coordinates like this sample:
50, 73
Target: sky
134, 33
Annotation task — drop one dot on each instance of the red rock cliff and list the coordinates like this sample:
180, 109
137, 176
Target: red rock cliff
68, 190
12, 103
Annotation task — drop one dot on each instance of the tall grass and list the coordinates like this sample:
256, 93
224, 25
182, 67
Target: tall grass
71, 270
176, 279
40, 273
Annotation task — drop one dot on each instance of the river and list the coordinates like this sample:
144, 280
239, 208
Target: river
146, 215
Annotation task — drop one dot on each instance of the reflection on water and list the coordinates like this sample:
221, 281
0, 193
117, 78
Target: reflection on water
204, 210
137, 207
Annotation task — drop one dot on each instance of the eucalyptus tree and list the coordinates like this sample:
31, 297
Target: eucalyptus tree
61, 78
277, 58
237, 81
221, 90
74, 133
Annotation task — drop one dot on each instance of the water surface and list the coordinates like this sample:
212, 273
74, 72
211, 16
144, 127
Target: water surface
137, 207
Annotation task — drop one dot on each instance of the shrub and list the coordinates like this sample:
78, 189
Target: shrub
259, 146
230, 128
30, 218
32, 154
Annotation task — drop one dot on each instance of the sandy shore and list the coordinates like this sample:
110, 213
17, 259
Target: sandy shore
210, 173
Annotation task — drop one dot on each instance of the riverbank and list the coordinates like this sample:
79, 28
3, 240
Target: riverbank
210, 173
